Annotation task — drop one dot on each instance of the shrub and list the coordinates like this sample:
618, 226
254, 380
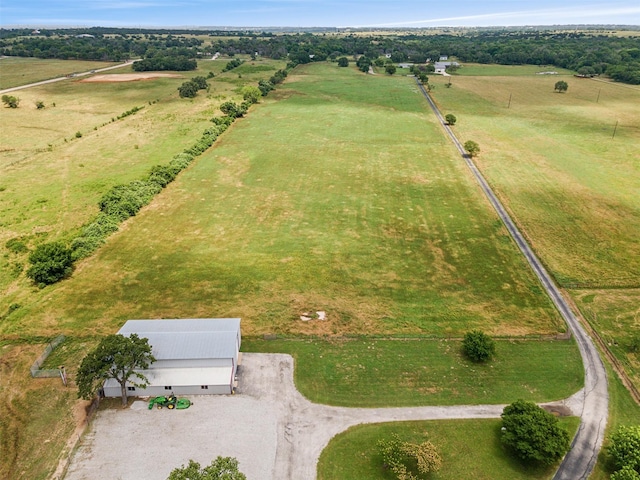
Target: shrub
16, 245
624, 449
39, 104
235, 63
10, 101
343, 62
78, 134
50, 263
532, 433
124, 201
450, 118
404, 457
478, 346
625, 473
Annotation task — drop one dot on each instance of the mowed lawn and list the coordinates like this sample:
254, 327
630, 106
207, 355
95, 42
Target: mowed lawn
395, 372
338, 193
470, 450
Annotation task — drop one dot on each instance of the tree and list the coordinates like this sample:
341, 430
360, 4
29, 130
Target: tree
450, 119
478, 346
390, 69
200, 82
222, 468
624, 449
472, 148
625, 473
188, 90
533, 433
117, 357
403, 457
561, 86
343, 62
251, 94
233, 110
10, 101
50, 263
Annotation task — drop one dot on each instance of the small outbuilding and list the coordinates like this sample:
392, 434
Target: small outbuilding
193, 356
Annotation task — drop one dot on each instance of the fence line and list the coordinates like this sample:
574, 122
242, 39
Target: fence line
36, 372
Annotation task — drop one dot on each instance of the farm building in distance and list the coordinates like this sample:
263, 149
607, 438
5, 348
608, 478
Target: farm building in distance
193, 356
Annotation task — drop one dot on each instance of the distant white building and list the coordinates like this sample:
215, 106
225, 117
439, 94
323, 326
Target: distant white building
441, 67
193, 356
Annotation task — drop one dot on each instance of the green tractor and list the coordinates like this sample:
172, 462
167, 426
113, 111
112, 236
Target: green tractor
171, 402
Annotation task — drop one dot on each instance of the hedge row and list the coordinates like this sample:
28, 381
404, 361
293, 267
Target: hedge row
119, 203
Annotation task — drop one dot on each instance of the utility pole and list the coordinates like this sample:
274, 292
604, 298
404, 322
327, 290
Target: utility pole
509, 106
614, 130
598, 99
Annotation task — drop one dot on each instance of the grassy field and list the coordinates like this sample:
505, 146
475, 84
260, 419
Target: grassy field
475, 70
336, 195
48, 192
570, 185
16, 71
551, 157
370, 372
470, 450
615, 314
50, 180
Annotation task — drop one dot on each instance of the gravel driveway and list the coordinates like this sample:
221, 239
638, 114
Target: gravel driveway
273, 431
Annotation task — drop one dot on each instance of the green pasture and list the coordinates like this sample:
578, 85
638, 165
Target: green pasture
615, 315
369, 372
470, 450
494, 70
51, 181
337, 193
551, 158
16, 71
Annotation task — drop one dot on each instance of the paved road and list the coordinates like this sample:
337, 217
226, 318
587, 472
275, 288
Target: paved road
59, 79
580, 460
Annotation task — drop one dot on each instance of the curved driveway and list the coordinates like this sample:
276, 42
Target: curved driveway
580, 460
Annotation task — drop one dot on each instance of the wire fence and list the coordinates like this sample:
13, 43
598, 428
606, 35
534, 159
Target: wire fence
36, 372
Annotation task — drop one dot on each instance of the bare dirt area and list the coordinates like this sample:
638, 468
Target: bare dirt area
273, 431
129, 77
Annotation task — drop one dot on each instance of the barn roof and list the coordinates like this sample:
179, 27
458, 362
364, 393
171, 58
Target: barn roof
194, 338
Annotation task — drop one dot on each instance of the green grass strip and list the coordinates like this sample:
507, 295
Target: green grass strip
379, 373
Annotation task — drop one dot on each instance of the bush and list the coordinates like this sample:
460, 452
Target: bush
478, 346
50, 263
124, 201
405, 458
251, 94
624, 449
235, 63
343, 62
10, 101
625, 473
533, 434
233, 110
188, 90
451, 119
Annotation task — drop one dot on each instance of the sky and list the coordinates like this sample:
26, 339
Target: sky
315, 13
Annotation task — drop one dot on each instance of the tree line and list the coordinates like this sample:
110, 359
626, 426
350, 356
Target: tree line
585, 53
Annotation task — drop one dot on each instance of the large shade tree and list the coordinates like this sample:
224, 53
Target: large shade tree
533, 434
117, 357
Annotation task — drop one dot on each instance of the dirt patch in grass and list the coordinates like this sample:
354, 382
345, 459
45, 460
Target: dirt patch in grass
129, 77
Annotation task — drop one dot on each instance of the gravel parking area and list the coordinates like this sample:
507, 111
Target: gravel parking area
273, 431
